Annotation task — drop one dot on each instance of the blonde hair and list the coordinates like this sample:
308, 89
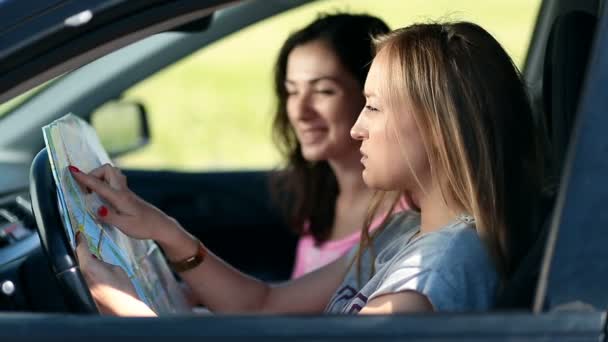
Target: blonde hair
468, 100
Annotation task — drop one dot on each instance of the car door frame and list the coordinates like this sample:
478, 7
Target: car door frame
583, 189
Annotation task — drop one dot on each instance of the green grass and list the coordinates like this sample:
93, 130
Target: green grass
213, 110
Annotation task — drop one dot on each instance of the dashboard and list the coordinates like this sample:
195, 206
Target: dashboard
26, 280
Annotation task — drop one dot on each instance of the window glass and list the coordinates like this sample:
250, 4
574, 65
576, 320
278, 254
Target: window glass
16, 101
213, 110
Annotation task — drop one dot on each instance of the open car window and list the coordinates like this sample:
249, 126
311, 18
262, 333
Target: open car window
213, 109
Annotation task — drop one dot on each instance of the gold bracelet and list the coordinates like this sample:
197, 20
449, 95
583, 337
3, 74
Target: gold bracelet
190, 262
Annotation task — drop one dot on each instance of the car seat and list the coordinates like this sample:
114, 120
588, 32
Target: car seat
566, 57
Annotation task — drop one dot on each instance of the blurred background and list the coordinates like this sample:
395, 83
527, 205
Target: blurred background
213, 110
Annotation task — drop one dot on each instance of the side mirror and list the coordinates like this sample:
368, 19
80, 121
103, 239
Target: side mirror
122, 126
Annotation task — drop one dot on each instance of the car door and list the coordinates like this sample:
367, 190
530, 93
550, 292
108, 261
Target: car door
571, 289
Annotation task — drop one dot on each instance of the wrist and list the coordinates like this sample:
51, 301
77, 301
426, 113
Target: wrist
190, 262
167, 230
176, 242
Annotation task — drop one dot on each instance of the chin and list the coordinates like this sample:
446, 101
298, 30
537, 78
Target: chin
369, 181
375, 183
314, 155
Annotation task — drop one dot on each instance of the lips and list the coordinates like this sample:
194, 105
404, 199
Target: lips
363, 156
311, 135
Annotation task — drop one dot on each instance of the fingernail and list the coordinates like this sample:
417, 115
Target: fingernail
74, 169
102, 211
95, 256
77, 234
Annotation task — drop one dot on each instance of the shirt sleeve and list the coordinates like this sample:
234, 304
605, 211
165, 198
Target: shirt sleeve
454, 275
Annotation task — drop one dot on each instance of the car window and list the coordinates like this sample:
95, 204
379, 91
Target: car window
213, 110
15, 102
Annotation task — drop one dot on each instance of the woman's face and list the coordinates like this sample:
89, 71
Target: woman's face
323, 102
392, 149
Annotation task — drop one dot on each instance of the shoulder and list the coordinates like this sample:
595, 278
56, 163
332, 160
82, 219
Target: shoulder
459, 243
451, 267
455, 249
466, 268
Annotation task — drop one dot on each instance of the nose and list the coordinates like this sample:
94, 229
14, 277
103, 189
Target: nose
300, 105
359, 130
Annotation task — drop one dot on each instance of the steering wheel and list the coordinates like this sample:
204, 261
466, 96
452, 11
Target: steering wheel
55, 242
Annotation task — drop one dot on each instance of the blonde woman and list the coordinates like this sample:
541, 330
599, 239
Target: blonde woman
442, 104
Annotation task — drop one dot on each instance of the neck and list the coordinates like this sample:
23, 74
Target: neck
436, 211
352, 201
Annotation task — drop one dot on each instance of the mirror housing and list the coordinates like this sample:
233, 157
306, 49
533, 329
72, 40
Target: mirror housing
122, 126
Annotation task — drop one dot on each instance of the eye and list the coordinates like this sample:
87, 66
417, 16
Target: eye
370, 108
325, 91
290, 89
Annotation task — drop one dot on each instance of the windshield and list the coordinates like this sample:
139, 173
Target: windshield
15, 102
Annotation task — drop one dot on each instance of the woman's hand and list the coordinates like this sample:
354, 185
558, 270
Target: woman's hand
127, 211
110, 286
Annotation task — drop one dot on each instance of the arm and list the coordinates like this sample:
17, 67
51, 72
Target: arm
224, 289
400, 302
221, 287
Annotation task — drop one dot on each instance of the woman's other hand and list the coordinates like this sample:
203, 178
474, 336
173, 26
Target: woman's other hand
110, 286
125, 210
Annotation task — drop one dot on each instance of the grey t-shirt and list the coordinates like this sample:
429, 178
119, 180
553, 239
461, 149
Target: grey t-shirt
450, 266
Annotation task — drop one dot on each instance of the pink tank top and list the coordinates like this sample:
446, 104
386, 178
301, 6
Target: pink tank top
310, 257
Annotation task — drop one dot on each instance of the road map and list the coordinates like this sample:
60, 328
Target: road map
72, 141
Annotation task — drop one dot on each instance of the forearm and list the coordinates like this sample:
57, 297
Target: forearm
223, 289
218, 285
129, 306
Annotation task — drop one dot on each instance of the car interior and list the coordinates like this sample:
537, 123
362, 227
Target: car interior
35, 257
565, 62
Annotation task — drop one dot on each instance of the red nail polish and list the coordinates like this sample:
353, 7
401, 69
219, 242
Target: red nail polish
74, 169
102, 211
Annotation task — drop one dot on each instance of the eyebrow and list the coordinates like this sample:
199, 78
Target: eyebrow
368, 94
318, 79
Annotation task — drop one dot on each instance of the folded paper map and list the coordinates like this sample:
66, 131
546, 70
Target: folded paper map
72, 141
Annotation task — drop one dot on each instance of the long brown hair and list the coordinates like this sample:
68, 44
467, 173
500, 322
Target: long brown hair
472, 110
307, 191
